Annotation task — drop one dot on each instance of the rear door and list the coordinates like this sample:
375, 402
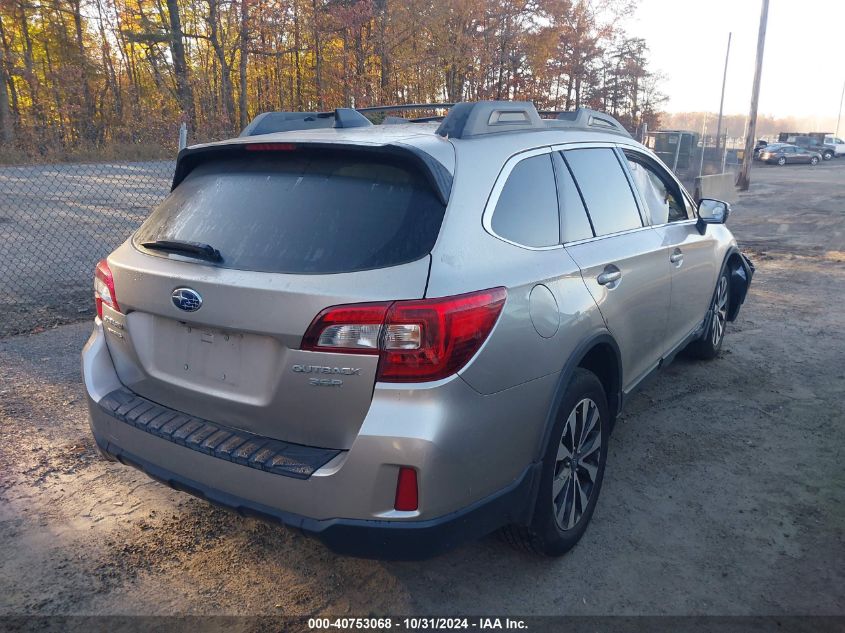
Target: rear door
624, 265
691, 258
297, 232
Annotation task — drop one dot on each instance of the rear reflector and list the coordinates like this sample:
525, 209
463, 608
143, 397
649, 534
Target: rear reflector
406, 490
417, 341
104, 288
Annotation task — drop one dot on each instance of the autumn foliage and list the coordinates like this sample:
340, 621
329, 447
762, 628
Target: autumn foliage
116, 77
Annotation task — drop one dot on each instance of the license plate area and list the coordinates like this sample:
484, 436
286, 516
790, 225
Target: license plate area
211, 355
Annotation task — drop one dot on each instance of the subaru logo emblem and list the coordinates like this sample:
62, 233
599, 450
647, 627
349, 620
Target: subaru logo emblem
186, 299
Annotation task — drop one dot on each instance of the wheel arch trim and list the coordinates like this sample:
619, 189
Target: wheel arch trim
578, 355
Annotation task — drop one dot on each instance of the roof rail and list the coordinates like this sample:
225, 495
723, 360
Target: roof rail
268, 122
463, 120
466, 120
587, 119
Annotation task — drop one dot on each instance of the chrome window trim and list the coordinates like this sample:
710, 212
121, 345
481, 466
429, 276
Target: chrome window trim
608, 235
493, 198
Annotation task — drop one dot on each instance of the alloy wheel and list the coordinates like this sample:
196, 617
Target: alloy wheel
720, 312
577, 464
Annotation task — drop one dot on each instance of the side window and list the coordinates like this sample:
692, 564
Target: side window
574, 223
662, 197
607, 194
526, 212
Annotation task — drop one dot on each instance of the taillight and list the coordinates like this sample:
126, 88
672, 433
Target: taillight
104, 288
352, 329
418, 340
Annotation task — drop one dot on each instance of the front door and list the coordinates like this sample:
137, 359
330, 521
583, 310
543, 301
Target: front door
688, 256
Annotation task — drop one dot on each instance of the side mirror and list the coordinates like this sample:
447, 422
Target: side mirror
711, 211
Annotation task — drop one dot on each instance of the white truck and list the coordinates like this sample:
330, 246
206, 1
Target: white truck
837, 144
826, 144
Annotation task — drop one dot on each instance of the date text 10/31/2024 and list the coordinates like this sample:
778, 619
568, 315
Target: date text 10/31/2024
417, 624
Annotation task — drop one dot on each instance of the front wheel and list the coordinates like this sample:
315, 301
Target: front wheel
781, 161
814, 160
827, 155
573, 469
707, 347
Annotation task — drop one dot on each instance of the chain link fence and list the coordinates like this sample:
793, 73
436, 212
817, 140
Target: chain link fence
691, 155
56, 221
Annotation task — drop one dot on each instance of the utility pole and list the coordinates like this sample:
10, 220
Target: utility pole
722, 100
743, 181
839, 116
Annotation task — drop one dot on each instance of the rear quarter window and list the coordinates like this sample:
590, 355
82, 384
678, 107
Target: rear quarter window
302, 212
526, 212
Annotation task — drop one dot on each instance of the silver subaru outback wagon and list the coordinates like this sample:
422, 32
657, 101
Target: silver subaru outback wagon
399, 337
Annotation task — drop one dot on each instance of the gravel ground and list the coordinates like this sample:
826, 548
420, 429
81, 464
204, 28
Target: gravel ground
724, 493
56, 221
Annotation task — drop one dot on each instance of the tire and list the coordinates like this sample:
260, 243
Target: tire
557, 524
708, 346
828, 155
814, 160
781, 161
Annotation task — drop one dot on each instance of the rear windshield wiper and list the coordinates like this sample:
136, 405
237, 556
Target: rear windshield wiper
188, 249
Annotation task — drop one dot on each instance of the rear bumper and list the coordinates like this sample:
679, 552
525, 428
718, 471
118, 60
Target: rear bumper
474, 475
387, 540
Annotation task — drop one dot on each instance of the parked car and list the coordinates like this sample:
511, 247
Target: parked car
783, 153
398, 337
812, 141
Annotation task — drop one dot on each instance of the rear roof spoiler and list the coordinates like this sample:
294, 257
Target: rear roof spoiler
438, 177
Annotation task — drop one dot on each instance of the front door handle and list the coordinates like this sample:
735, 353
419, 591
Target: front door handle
677, 257
609, 277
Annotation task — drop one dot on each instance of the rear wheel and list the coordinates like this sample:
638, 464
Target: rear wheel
573, 469
814, 160
708, 346
828, 155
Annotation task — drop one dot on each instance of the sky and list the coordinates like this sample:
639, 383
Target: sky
802, 74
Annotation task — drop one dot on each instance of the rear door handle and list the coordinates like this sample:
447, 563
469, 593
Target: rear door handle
677, 256
609, 277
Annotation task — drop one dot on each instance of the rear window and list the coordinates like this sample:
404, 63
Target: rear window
302, 212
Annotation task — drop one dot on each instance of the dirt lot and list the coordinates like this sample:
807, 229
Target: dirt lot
55, 221
724, 494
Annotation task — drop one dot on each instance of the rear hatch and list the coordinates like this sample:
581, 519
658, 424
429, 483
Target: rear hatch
283, 232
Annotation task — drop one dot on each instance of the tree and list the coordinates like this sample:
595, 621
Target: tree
180, 65
84, 74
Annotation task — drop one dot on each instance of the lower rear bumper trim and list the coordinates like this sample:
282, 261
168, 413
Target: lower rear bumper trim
380, 539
